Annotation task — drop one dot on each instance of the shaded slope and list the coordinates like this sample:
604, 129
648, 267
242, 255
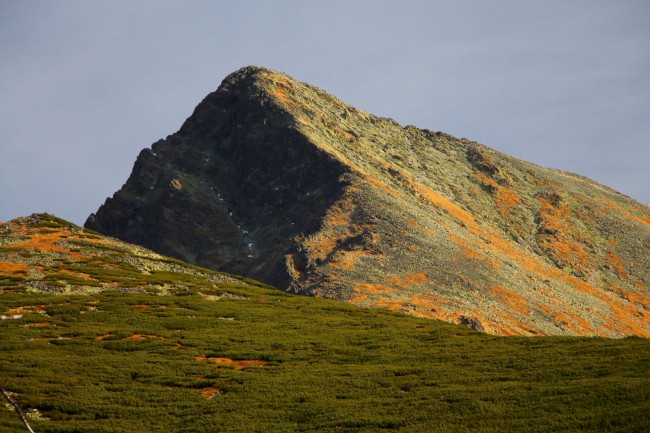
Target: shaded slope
280, 181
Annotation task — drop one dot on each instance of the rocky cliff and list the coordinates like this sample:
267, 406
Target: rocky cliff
278, 180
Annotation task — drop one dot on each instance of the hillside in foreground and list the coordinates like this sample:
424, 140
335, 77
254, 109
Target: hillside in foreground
279, 181
101, 336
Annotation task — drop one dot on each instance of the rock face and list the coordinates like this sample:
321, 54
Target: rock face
279, 181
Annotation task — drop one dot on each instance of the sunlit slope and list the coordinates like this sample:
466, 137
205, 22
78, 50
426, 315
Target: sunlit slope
280, 181
45, 254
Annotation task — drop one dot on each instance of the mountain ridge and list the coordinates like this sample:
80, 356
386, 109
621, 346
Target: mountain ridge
280, 181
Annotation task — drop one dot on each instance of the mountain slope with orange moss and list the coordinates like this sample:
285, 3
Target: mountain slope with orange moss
278, 180
44, 254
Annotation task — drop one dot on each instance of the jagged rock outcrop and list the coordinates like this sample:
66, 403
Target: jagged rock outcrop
278, 180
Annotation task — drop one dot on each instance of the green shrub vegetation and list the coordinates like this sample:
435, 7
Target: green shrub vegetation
131, 362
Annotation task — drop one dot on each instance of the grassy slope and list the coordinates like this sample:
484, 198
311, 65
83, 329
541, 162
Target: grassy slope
123, 357
331, 367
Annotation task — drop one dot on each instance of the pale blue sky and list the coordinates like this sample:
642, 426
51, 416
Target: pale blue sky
85, 85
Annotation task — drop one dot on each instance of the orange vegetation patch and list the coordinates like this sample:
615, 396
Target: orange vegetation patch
28, 309
144, 337
419, 278
337, 225
506, 198
624, 317
238, 364
379, 184
283, 92
210, 392
567, 253
104, 337
346, 260
468, 251
365, 291
13, 268
616, 263
430, 306
509, 329
409, 280
640, 298
141, 307
511, 299
557, 236
399, 282
36, 325
645, 219
45, 242
76, 274
573, 321
439, 200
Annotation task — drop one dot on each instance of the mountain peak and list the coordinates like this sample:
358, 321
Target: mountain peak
280, 181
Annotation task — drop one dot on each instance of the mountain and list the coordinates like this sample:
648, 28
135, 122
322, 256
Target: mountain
100, 336
280, 181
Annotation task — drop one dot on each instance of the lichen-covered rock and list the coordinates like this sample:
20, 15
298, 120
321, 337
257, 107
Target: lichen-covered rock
278, 180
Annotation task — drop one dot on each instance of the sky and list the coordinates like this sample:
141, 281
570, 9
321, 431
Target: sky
86, 84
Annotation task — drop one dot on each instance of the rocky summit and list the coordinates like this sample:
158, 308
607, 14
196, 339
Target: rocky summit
279, 181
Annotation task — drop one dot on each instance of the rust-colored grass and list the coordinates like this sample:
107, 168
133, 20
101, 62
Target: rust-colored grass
337, 225
506, 198
469, 251
626, 213
514, 301
364, 292
103, 337
419, 278
347, 260
45, 242
27, 309
430, 306
76, 274
617, 264
144, 337
395, 281
559, 237
9, 268
409, 280
238, 364
210, 392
